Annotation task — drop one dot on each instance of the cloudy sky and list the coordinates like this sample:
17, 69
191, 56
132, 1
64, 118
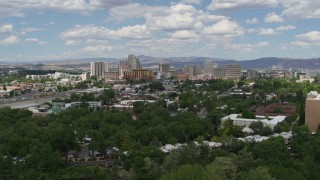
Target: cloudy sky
232, 29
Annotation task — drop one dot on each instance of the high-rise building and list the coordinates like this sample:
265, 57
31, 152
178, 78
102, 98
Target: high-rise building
123, 66
164, 67
312, 113
85, 76
106, 67
219, 73
134, 62
208, 67
193, 70
97, 69
233, 71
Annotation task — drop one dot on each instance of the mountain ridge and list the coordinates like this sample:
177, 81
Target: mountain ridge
265, 62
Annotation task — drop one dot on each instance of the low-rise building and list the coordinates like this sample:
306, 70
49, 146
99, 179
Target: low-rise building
138, 74
270, 121
4, 93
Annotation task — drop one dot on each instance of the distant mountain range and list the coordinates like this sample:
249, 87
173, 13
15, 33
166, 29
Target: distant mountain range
266, 62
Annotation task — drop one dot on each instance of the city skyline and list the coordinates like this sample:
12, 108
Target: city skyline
240, 30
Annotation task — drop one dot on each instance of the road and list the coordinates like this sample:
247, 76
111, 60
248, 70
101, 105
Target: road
32, 100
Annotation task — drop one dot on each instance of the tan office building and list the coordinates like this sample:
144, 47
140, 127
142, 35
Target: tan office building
233, 71
164, 67
312, 118
219, 73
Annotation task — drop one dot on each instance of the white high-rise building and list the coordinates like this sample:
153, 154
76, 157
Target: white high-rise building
106, 67
97, 69
134, 62
208, 67
85, 76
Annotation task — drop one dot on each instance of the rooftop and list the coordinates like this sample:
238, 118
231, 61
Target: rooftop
273, 119
313, 95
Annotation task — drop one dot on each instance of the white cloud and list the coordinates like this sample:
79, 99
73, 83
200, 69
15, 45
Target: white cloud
178, 17
134, 32
306, 40
98, 49
191, 2
30, 29
301, 9
252, 30
247, 47
166, 46
286, 28
273, 18
184, 34
85, 32
35, 40
313, 36
6, 28
17, 8
73, 42
225, 28
252, 21
264, 31
134, 10
10, 40
241, 4
96, 42
162, 18
267, 31
301, 44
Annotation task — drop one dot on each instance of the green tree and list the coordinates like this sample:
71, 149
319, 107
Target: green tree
192, 172
266, 131
248, 114
221, 168
274, 155
256, 127
127, 142
260, 173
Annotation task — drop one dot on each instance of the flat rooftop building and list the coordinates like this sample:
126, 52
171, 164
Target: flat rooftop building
312, 118
270, 121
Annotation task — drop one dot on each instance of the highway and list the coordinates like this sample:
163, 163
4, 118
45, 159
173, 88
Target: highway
32, 99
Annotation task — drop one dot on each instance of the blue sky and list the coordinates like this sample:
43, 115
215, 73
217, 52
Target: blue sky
232, 29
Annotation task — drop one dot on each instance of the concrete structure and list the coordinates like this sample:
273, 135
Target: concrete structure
233, 71
4, 93
59, 75
106, 67
128, 65
123, 66
97, 69
271, 96
164, 68
85, 76
112, 75
208, 67
219, 73
183, 77
13, 72
139, 74
193, 70
237, 120
134, 62
312, 118
36, 77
